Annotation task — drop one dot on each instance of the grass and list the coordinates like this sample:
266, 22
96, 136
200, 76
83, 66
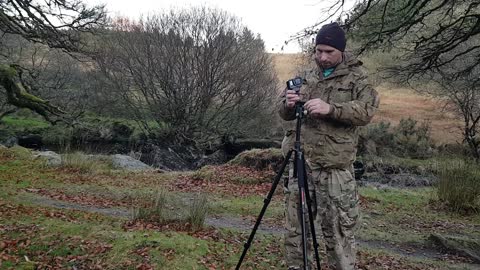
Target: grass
408, 216
247, 206
197, 211
86, 164
400, 217
459, 186
24, 123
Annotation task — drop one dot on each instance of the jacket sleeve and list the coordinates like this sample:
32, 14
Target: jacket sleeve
360, 111
285, 113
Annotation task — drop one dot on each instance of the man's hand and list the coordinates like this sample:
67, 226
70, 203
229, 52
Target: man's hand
291, 98
317, 107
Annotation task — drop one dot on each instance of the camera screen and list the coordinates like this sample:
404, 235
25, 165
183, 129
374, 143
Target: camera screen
294, 83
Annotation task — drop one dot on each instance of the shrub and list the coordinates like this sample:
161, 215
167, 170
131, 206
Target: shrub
376, 139
412, 140
459, 186
407, 139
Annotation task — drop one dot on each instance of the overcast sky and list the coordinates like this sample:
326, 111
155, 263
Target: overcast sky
274, 20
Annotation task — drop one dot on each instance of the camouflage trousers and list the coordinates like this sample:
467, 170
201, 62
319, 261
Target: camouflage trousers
335, 208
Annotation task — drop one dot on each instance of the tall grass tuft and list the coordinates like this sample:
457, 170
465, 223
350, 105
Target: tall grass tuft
153, 209
459, 186
84, 163
197, 211
162, 207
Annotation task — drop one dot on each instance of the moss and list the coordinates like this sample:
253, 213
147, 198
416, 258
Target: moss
259, 159
7, 72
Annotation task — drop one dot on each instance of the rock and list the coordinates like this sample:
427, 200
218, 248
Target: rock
260, 159
462, 245
11, 141
51, 158
235, 147
128, 163
168, 158
218, 157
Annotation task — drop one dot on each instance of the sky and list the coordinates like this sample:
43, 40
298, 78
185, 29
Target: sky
275, 21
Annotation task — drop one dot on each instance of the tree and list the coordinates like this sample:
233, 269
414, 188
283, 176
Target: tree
430, 41
55, 23
428, 30
197, 71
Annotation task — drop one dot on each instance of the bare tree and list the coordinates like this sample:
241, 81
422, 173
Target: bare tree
464, 96
55, 23
430, 40
197, 71
430, 31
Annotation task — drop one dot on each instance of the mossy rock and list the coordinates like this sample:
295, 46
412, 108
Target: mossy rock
259, 159
21, 152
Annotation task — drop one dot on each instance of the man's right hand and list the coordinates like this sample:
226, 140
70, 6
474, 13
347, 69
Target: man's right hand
291, 98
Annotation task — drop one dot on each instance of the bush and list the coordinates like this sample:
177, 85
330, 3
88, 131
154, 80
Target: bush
412, 140
407, 139
376, 139
459, 186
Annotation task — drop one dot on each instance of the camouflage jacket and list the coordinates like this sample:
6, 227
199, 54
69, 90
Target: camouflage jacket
331, 141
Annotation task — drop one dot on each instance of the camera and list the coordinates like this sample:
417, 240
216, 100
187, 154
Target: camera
295, 84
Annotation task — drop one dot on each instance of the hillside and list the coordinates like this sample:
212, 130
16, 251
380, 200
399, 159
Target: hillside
396, 103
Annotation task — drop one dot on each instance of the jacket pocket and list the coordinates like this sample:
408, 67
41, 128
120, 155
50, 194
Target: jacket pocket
335, 152
342, 94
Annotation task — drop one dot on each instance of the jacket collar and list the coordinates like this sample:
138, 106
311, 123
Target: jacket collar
343, 68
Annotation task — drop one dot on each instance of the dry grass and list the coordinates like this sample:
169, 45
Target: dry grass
396, 103
286, 65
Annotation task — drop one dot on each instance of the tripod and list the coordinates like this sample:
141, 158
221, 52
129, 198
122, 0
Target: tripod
304, 196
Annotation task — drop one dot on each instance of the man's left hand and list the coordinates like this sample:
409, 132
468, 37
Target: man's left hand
317, 107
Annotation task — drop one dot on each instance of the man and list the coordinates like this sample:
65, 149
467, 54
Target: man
338, 100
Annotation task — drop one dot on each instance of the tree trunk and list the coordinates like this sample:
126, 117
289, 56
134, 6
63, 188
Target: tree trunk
19, 97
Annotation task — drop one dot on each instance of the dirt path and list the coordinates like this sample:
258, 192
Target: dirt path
246, 225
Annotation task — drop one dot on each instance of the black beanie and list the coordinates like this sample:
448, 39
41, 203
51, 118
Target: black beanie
332, 35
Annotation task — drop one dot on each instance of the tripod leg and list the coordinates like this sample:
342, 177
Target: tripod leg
310, 216
266, 202
303, 203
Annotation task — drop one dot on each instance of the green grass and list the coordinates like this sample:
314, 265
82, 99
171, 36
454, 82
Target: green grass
24, 123
396, 216
406, 216
245, 206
